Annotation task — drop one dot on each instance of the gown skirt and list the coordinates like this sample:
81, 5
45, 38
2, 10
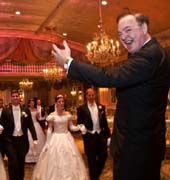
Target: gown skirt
60, 159
3, 175
35, 150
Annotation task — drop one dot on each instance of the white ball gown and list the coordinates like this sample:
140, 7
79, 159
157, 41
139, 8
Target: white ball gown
3, 175
35, 150
60, 158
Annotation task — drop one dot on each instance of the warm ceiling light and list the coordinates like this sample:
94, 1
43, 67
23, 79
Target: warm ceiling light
102, 50
73, 92
64, 34
104, 3
25, 84
53, 73
17, 12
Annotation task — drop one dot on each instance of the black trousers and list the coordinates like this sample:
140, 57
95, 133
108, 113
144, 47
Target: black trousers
137, 163
95, 146
16, 149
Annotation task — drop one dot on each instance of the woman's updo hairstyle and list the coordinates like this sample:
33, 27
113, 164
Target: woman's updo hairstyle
58, 97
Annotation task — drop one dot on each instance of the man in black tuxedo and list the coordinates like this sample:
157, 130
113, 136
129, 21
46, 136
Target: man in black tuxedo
142, 85
16, 121
52, 107
42, 112
92, 115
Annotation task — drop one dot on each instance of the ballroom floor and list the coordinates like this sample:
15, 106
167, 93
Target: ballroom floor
107, 173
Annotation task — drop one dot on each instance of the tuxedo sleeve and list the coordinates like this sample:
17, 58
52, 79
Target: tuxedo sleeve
105, 123
137, 69
31, 126
79, 116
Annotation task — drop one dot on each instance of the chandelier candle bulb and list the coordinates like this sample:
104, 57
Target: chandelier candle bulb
53, 73
102, 51
25, 84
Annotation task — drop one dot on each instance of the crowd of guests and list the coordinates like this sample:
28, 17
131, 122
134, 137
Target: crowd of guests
33, 133
138, 140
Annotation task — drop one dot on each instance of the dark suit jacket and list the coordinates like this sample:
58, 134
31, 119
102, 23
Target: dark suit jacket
84, 117
43, 110
142, 84
7, 121
51, 109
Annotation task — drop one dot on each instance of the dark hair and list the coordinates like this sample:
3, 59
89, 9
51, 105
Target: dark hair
31, 100
87, 90
140, 18
58, 97
14, 91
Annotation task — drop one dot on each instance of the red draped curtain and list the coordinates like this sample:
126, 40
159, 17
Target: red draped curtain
29, 51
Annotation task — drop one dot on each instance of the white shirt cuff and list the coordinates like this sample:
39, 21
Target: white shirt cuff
67, 64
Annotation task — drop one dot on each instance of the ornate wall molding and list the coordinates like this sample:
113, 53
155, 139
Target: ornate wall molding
164, 38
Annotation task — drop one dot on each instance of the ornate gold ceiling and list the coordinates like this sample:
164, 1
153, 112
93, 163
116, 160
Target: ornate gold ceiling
48, 19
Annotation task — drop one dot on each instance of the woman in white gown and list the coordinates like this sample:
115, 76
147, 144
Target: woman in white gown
60, 158
35, 150
2, 168
3, 175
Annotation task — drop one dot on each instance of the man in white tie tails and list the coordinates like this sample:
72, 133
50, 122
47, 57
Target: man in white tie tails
16, 121
41, 112
92, 115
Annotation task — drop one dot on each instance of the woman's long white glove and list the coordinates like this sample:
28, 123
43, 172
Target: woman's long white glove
49, 132
108, 141
82, 128
48, 137
74, 128
1, 129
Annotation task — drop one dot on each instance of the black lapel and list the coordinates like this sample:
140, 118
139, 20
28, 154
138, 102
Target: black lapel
87, 110
11, 112
22, 110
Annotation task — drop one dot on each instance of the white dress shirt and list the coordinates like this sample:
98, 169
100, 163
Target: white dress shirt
17, 120
39, 109
95, 117
1, 111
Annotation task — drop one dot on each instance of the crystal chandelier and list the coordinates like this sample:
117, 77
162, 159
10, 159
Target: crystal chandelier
53, 73
25, 84
102, 51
